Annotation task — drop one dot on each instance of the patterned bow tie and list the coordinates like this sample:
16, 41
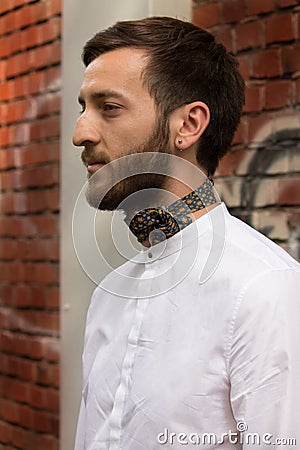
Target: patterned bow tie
174, 218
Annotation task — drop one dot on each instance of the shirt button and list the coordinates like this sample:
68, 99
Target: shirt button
150, 255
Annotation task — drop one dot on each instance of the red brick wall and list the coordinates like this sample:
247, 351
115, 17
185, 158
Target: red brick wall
29, 205
260, 178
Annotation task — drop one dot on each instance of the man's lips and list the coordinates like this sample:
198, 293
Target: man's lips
92, 168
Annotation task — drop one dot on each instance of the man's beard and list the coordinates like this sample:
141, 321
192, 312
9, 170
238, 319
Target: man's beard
115, 197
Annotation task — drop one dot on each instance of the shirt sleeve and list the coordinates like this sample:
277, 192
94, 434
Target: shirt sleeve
264, 361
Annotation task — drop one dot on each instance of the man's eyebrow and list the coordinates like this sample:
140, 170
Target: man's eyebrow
99, 95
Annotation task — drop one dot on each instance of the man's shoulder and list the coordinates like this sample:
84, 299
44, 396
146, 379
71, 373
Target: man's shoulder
250, 247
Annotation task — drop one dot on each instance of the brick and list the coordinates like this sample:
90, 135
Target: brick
52, 76
41, 176
264, 192
36, 349
9, 411
36, 82
31, 37
52, 298
226, 165
5, 49
7, 203
56, 7
43, 10
42, 422
38, 250
45, 128
12, 21
6, 157
44, 374
50, 31
21, 110
5, 6
256, 125
36, 201
4, 319
8, 249
245, 66
2, 25
278, 94
241, 135
46, 442
280, 28
19, 64
16, 42
233, 10
6, 293
37, 396
289, 190
260, 6
23, 439
15, 390
55, 54
287, 3
7, 90
34, 226
52, 347
294, 160
52, 400
230, 191
291, 58
298, 90
6, 341
5, 432
207, 16
224, 36
56, 376
43, 273
248, 35
18, 134
17, 3
53, 200
275, 221
267, 64
279, 164
20, 86
28, 16
3, 69
49, 104
22, 368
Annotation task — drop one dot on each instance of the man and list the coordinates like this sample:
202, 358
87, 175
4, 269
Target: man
195, 341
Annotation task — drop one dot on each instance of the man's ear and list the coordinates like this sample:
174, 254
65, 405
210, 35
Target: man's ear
188, 123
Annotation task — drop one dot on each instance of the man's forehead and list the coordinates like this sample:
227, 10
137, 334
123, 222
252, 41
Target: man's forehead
120, 65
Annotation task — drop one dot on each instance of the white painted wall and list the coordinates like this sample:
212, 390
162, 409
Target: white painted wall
81, 19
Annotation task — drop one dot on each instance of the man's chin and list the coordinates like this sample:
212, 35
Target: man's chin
100, 202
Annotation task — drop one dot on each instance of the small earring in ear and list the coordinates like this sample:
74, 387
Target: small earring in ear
180, 141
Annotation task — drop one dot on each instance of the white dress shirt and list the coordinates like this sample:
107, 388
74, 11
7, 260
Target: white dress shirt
193, 340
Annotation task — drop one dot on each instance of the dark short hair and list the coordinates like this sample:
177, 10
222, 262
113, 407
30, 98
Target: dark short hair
185, 64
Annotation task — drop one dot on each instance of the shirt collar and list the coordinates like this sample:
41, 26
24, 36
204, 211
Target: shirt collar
185, 237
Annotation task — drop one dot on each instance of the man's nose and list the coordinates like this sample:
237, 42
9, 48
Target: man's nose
85, 132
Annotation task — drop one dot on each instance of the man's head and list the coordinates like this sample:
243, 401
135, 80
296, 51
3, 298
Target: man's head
183, 65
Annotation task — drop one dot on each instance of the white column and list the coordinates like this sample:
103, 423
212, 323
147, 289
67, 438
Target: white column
82, 19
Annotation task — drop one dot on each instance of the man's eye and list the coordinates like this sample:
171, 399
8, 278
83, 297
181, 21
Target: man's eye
110, 107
